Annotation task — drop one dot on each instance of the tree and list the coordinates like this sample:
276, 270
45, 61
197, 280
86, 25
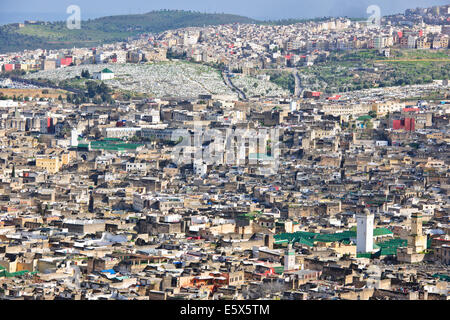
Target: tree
91, 89
85, 74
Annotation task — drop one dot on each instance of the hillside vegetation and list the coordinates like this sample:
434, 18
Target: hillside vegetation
107, 29
363, 69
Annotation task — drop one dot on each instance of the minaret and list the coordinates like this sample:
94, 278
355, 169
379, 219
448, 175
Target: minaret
74, 138
364, 231
417, 240
289, 258
416, 224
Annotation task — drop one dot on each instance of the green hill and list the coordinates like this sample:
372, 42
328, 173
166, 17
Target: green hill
107, 29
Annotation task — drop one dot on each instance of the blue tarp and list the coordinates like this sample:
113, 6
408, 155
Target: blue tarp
111, 271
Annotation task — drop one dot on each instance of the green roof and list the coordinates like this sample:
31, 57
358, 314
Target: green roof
106, 70
306, 242
381, 232
6, 274
309, 238
389, 248
279, 270
444, 277
386, 248
113, 145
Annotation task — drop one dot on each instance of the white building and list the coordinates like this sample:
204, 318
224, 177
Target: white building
105, 74
293, 105
364, 232
74, 138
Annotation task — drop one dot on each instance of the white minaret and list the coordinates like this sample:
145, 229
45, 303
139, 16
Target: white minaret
293, 105
364, 232
74, 138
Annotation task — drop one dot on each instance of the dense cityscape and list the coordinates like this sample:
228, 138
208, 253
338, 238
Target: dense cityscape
241, 161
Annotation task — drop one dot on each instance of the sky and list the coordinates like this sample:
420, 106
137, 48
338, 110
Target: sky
51, 10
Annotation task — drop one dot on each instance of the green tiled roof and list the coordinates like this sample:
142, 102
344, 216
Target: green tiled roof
381, 232
300, 237
309, 238
6, 274
444, 277
306, 242
386, 248
106, 70
113, 145
341, 236
279, 270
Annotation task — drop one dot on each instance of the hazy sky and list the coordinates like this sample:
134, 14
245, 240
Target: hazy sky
19, 10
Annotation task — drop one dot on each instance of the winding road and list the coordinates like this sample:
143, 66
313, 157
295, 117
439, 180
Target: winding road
226, 78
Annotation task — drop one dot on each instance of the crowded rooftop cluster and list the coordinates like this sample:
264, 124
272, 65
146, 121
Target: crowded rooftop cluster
127, 174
